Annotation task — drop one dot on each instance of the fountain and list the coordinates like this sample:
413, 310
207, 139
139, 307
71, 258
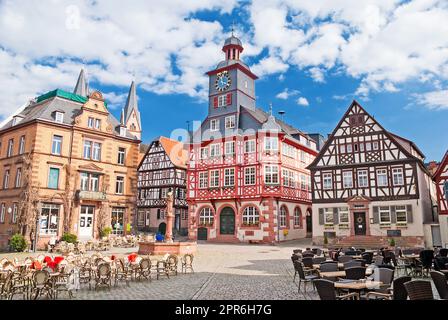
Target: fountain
168, 245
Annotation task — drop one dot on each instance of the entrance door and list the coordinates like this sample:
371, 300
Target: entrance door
227, 221
162, 228
360, 223
86, 222
309, 224
202, 233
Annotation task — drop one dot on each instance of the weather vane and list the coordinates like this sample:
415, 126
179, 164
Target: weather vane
233, 26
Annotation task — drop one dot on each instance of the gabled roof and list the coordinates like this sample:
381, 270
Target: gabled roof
442, 165
175, 151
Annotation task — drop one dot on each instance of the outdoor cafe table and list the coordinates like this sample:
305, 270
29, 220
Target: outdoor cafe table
358, 285
340, 274
317, 266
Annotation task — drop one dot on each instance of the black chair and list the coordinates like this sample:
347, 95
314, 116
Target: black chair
426, 258
439, 280
329, 266
319, 260
443, 252
303, 277
353, 253
296, 251
307, 262
368, 257
307, 255
355, 273
397, 292
327, 291
344, 259
440, 262
294, 258
353, 263
419, 290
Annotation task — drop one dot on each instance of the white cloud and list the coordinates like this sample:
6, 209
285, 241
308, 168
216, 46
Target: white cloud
114, 100
434, 100
286, 93
317, 74
302, 102
269, 65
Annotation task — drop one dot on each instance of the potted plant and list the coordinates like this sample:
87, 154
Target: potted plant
106, 232
18, 243
285, 232
392, 242
69, 238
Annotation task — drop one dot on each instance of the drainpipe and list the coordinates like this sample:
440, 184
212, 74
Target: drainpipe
278, 222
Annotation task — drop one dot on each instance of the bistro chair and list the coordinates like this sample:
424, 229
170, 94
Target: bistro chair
307, 255
62, 283
378, 260
419, 290
439, 280
353, 263
145, 269
427, 257
41, 284
122, 273
171, 264
440, 262
307, 262
329, 266
187, 263
355, 273
319, 260
327, 291
367, 256
103, 275
297, 251
161, 268
396, 292
344, 259
443, 252
304, 278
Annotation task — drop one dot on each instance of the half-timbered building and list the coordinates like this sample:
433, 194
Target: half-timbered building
247, 178
441, 181
161, 170
370, 185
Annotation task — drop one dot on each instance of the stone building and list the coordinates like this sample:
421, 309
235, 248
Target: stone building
68, 165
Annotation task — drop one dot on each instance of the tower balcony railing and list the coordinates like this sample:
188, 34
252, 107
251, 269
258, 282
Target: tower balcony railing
91, 195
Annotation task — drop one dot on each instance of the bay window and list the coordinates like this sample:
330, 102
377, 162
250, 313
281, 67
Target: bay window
270, 144
229, 177
214, 178
397, 176
271, 174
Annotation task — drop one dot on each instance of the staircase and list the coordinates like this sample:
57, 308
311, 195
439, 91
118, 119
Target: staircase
367, 242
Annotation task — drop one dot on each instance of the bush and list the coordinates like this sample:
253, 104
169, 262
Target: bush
18, 243
69, 237
106, 231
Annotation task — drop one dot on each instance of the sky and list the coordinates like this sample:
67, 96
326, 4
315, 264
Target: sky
312, 58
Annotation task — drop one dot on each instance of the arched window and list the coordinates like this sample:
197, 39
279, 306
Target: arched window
297, 217
251, 216
206, 217
282, 217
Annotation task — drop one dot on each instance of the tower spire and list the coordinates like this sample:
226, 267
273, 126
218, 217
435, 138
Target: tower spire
131, 112
82, 86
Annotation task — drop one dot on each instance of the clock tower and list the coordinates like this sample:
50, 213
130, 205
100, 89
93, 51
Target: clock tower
231, 85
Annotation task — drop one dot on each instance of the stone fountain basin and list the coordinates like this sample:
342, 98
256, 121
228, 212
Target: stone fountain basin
161, 248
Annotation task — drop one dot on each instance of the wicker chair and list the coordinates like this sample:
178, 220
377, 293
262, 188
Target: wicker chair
419, 290
303, 277
397, 292
85, 274
145, 269
122, 273
329, 266
355, 273
353, 263
103, 277
327, 291
187, 263
171, 264
344, 259
61, 284
439, 280
319, 260
161, 268
368, 257
41, 284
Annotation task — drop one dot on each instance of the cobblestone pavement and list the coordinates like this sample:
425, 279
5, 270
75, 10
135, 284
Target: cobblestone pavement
222, 271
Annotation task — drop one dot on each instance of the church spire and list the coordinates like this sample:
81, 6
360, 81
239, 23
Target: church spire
82, 87
131, 112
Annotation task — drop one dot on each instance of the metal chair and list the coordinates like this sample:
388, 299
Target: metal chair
396, 292
40, 284
122, 273
329, 266
145, 269
419, 290
304, 278
439, 280
162, 269
344, 259
368, 257
426, 258
171, 264
353, 263
187, 263
355, 273
103, 277
327, 291
319, 260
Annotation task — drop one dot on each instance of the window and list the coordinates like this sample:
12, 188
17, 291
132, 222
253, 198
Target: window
327, 181
343, 215
6, 179
84, 181
361, 147
119, 185
10, 148
56, 145
363, 180
347, 177
222, 101
203, 180
297, 217
141, 218
49, 219
270, 143
117, 220
288, 150
94, 182
249, 146
215, 150
303, 156
375, 145
397, 176
204, 153
59, 117
214, 125
342, 148
96, 151
249, 176
18, 182
2, 213
206, 217
368, 146
14, 213
230, 148
123, 131
90, 122
401, 213
384, 215
328, 216
230, 122
349, 148
282, 217
381, 177
271, 174
97, 124
89, 181
22, 145
87, 149
303, 182
53, 178
251, 216
121, 155
229, 177
286, 181
214, 178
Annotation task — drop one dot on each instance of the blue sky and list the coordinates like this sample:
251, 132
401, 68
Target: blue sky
313, 58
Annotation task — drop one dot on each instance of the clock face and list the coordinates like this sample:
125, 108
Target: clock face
222, 81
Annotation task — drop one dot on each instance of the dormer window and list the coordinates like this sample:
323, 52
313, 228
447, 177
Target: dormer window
16, 120
59, 116
123, 131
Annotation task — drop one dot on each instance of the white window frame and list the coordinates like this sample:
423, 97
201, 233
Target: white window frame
204, 153
98, 124
382, 173
397, 176
215, 150
222, 100
229, 148
18, 181
363, 176
249, 146
328, 216
251, 216
6, 179
96, 151
229, 177
10, 150
48, 230
347, 179
343, 211
271, 172
56, 142
214, 179
119, 185
203, 180
59, 117
206, 217
402, 210
282, 217
230, 122
22, 145
2, 213
15, 209
90, 122
121, 155
327, 181
214, 125
270, 144
297, 217
384, 210
250, 176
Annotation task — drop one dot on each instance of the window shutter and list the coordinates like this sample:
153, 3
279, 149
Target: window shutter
215, 102
229, 99
376, 215
409, 212
321, 216
393, 215
335, 216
